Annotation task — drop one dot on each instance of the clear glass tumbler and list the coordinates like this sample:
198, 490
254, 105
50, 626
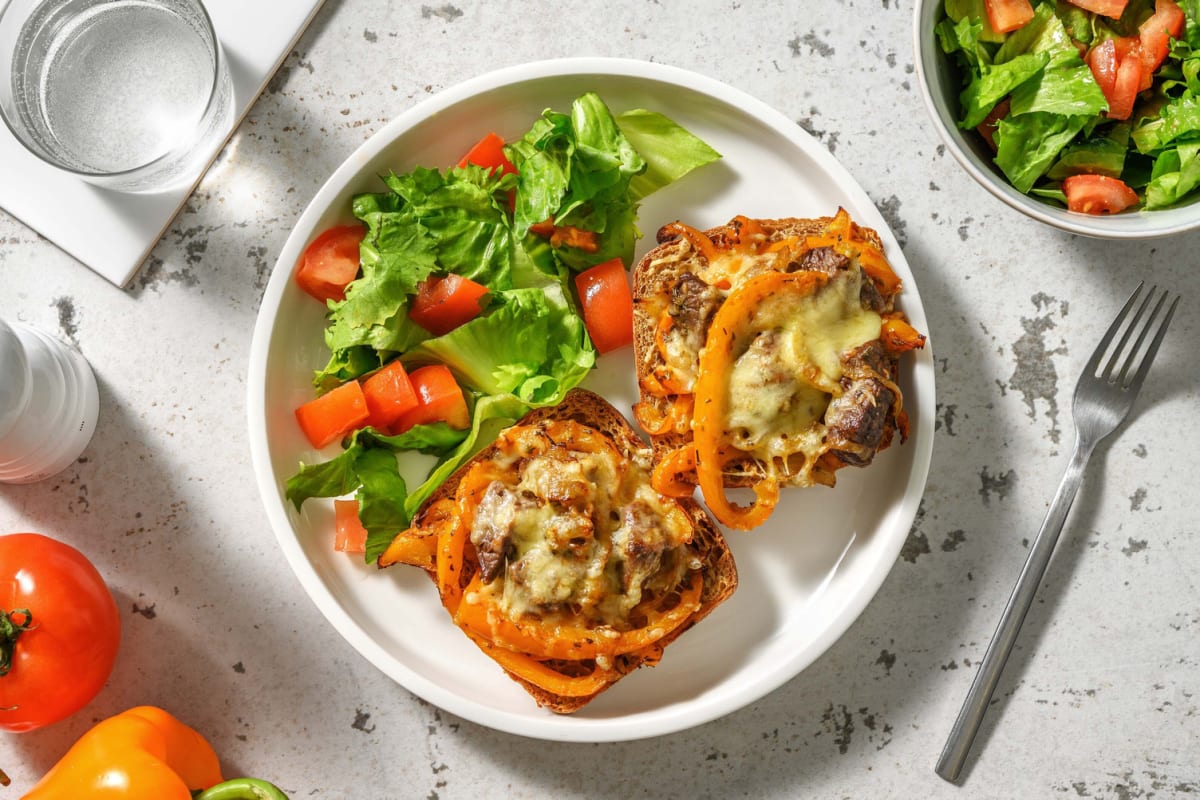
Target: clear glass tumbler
131, 95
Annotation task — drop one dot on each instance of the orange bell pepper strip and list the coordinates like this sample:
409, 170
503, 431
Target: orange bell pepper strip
413, 547
712, 395
566, 235
542, 675
748, 231
696, 238
572, 642
877, 268
144, 754
453, 533
843, 236
670, 475
898, 336
676, 419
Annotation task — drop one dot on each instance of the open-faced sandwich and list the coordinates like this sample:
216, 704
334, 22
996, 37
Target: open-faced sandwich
767, 355
553, 553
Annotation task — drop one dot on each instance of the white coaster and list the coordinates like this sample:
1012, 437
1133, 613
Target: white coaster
111, 232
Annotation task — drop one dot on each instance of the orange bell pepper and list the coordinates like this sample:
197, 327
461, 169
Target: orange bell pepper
144, 754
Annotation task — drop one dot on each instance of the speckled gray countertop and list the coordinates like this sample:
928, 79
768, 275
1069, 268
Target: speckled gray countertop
1102, 697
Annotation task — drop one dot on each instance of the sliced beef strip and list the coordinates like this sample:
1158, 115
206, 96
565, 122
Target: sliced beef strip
492, 531
830, 262
857, 420
820, 259
640, 544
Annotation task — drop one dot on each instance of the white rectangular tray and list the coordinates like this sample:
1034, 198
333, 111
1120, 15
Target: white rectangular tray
111, 232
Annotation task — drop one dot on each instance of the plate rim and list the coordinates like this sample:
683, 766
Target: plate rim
667, 719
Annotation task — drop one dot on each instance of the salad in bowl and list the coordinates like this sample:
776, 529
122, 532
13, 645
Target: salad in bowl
1091, 105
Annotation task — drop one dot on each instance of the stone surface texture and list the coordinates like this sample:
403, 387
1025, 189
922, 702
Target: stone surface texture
1101, 698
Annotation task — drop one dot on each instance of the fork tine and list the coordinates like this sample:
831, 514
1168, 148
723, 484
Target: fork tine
1132, 354
1140, 376
1115, 356
1093, 364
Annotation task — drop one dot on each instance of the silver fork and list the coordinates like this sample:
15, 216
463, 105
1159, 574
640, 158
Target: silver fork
1103, 398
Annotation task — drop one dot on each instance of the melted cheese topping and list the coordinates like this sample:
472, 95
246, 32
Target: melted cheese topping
732, 267
584, 534
781, 384
681, 346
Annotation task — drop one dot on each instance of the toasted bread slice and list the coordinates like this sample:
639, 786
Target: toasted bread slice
660, 560
807, 355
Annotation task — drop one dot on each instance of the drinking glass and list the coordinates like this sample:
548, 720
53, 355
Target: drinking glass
131, 95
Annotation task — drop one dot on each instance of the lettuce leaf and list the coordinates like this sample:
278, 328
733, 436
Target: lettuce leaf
670, 151
1066, 87
532, 344
492, 415
429, 222
368, 466
338, 476
1102, 154
964, 37
589, 169
1027, 145
1176, 174
1053, 94
575, 170
1044, 33
994, 83
1177, 119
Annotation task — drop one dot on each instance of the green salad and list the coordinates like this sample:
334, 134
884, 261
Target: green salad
583, 171
1094, 104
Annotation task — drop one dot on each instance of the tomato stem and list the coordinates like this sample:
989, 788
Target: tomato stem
10, 629
242, 789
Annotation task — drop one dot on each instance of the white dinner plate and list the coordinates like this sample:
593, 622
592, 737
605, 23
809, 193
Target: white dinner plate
804, 576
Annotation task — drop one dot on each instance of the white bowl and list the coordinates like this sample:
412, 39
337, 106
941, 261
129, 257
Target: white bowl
939, 82
805, 576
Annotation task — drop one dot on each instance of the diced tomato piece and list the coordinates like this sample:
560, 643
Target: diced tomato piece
607, 304
440, 399
445, 302
333, 415
1008, 15
1105, 8
1117, 66
987, 128
389, 393
1156, 34
1098, 194
1103, 62
488, 153
350, 536
1125, 88
330, 262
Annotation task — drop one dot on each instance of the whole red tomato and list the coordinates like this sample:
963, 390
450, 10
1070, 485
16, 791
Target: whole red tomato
59, 631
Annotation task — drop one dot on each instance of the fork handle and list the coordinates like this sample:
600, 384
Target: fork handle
966, 726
